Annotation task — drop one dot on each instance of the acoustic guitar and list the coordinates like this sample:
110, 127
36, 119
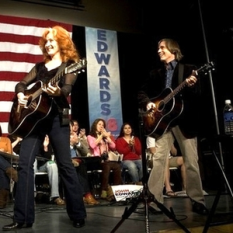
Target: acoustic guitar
168, 107
23, 119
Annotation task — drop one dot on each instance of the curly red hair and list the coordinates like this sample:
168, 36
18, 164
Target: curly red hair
67, 47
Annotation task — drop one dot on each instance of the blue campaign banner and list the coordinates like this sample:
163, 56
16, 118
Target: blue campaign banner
103, 78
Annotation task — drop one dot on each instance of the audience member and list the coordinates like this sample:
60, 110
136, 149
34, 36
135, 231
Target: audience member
100, 142
81, 169
130, 146
15, 142
46, 163
75, 126
82, 143
7, 172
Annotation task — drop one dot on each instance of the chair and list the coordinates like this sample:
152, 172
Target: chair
42, 187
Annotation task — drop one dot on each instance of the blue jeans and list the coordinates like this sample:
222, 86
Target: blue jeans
24, 211
134, 168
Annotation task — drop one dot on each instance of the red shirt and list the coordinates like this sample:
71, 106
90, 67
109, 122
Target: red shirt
129, 152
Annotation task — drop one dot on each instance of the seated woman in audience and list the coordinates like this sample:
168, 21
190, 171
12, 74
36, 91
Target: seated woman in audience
100, 142
130, 147
7, 172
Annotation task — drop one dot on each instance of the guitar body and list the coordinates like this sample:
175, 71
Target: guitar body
23, 119
157, 121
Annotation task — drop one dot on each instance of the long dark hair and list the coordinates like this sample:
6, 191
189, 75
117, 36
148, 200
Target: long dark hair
121, 134
94, 125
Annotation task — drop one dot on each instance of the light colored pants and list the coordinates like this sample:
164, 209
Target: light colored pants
189, 152
51, 168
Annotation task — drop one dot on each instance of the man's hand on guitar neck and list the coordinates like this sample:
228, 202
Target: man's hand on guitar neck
191, 80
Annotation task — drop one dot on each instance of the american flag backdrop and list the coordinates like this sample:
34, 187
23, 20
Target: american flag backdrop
19, 51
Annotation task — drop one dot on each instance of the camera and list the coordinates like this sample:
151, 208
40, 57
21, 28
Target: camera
104, 155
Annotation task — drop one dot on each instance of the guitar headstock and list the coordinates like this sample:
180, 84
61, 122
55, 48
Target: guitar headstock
76, 67
206, 68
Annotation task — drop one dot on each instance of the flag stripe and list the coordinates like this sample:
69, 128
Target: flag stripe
4, 36
5, 115
21, 21
19, 48
24, 30
8, 96
8, 56
16, 76
19, 51
15, 66
4, 126
7, 86
6, 106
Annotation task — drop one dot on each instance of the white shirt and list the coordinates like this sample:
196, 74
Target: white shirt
150, 142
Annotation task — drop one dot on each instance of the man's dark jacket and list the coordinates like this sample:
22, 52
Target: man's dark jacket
188, 120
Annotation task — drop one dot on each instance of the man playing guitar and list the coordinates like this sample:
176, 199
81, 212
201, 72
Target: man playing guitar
180, 120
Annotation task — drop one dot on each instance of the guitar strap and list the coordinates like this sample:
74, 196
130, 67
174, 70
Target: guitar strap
61, 68
180, 73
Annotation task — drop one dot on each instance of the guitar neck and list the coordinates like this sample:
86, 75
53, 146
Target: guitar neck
57, 77
74, 67
204, 68
175, 92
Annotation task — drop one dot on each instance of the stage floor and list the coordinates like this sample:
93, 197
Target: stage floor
106, 218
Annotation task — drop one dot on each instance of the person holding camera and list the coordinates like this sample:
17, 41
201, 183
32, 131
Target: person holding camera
100, 142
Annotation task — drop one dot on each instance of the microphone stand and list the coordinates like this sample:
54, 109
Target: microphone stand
146, 197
